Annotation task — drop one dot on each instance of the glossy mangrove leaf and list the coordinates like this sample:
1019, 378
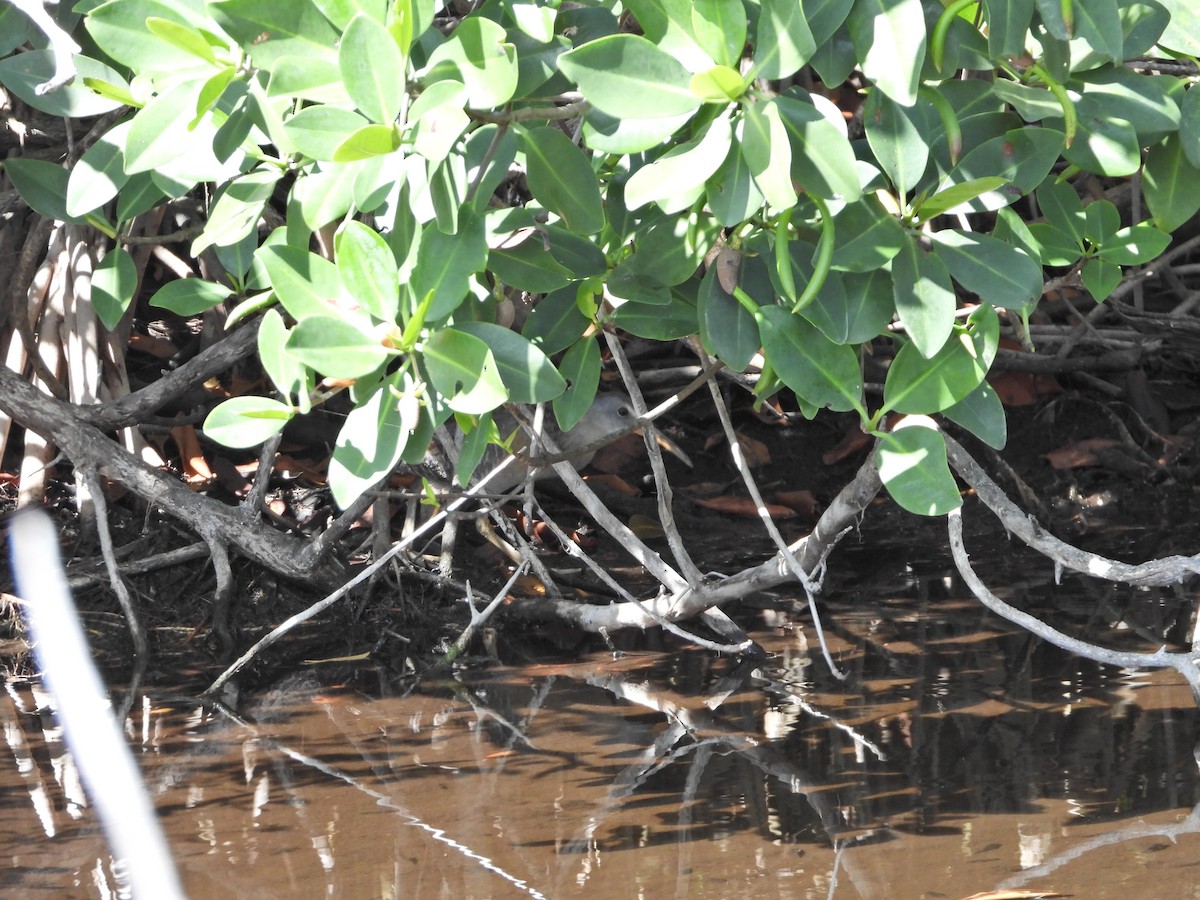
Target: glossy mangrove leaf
238, 207
291, 29
720, 29
1062, 208
120, 30
335, 347
924, 297
916, 384
1008, 21
914, 469
317, 131
446, 263
766, 150
526, 371
580, 367
43, 185
464, 372
733, 197
822, 372
889, 37
982, 414
1054, 246
306, 284
1145, 103
189, 296
1135, 244
114, 283
367, 269
1189, 126
530, 267
999, 273
823, 161
1100, 277
555, 323
561, 178
372, 439
668, 25
867, 236
784, 42
1022, 157
676, 178
627, 76
1169, 178
897, 138
479, 55
1103, 144
246, 421
100, 172
576, 253
1102, 221
286, 372
613, 134
727, 330
1098, 23
853, 307
372, 68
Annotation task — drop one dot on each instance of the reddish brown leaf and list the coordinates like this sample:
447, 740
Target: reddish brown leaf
195, 467
744, 507
853, 442
1079, 454
803, 502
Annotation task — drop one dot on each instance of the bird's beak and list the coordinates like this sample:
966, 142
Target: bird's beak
669, 445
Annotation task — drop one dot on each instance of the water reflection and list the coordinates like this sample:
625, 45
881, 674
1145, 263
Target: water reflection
960, 756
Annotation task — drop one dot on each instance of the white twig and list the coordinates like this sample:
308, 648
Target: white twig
62, 45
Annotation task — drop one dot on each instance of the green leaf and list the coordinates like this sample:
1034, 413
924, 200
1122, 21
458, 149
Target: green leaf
22, 72
292, 29
372, 68
1103, 144
437, 119
733, 197
317, 131
561, 179
580, 367
369, 141
1101, 221
1135, 245
367, 269
897, 139
1169, 179
823, 161
527, 373
99, 174
287, 373
1008, 22
42, 185
916, 384
982, 414
727, 330
765, 147
784, 42
857, 309
162, 127
577, 254
556, 323
530, 267
955, 199
914, 469
246, 421
822, 372
446, 263
114, 282
186, 38
924, 297
1145, 102
720, 29
609, 134
1097, 22
372, 439
999, 273
1189, 126
535, 21
120, 29
335, 347
1183, 30
319, 80
478, 54
323, 196
463, 370
1062, 208
306, 284
867, 236
1022, 157
626, 76
1100, 277
189, 296
720, 84
677, 178
889, 36
668, 25
658, 323
1054, 246
237, 209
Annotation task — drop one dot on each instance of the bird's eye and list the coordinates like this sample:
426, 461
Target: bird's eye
624, 412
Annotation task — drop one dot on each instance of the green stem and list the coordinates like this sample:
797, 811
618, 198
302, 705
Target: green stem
949, 120
941, 29
783, 258
823, 258
1070, 119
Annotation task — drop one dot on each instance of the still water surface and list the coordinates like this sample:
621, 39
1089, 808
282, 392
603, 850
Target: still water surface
959, 755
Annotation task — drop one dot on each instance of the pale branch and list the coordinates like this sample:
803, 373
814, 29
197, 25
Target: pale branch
1160, 659
1159, 572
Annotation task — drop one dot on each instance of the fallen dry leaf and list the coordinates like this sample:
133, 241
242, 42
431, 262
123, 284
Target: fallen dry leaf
745, 507
645, 527
755, 452
196, 470
615, 483
803, 502
1080, 454
853, 442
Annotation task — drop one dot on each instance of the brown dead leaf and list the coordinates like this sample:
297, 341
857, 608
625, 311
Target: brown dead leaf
645, 527
853, 442
803, 502
744, 507
1014, 895
196, 470
754, 451
158, 347
615, 483
1080, 454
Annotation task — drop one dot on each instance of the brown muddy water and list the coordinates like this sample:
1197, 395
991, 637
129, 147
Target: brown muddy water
959, 755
